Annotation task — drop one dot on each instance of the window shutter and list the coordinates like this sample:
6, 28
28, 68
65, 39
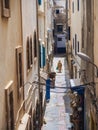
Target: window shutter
40, 56
6, 8
68, 32
44, 56
39, 2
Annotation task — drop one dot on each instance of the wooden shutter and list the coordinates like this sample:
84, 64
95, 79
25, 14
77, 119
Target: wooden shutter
19, 68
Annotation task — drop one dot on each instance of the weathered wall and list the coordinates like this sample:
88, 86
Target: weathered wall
10, 38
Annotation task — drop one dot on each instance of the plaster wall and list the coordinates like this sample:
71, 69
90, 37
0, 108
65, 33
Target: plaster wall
76, 28
10, 38
60, 3
29, 26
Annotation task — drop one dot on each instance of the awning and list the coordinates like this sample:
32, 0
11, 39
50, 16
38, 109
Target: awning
76, 86
24, 122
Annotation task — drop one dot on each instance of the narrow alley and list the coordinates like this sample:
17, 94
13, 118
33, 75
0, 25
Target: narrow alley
35, 93
57, 112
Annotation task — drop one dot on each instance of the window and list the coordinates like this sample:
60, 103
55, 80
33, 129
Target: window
75, 44
42, 55
82, 35
9, 101
78, 46
78, 5
57, 11
28, 54
73, 7
6, 8
35, 45
31, 56
68, 32
39, 2
19, 68
59, 28
59, 39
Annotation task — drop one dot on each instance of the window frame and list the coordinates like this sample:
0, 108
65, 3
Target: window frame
57, 11
28, 53
73, 6
6, 9
59, 28
75, 44
78, 5
31, 52
19, 72
9, 114
35, 45
59, 38
78, 46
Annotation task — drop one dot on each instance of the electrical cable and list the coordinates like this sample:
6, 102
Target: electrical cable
58, 87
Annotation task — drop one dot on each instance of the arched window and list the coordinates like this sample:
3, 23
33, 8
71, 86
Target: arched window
35, 45
6, 8
28, 54
19, 68
31, 56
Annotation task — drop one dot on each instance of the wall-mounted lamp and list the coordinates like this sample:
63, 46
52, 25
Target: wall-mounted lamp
87, 59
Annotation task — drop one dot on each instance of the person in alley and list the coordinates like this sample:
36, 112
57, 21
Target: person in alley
59, 66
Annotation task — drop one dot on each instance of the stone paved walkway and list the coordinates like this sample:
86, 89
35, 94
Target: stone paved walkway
56, 114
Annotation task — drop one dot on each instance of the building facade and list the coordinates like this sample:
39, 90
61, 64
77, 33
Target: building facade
59, 27
83, 39
11, 64
21, 98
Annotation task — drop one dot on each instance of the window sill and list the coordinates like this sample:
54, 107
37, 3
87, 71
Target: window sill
6, 13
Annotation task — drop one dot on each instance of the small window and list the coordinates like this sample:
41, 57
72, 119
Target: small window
31, 56
7, 4
35, 45
28, 54
9, 101
39, 2
68, 32
57, 11
78, 46
19, 68
59, 28
78, 5
59, 39
73, 7
75, 44
6, 8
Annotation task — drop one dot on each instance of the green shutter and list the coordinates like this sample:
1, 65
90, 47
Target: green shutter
39, 2
44, 56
